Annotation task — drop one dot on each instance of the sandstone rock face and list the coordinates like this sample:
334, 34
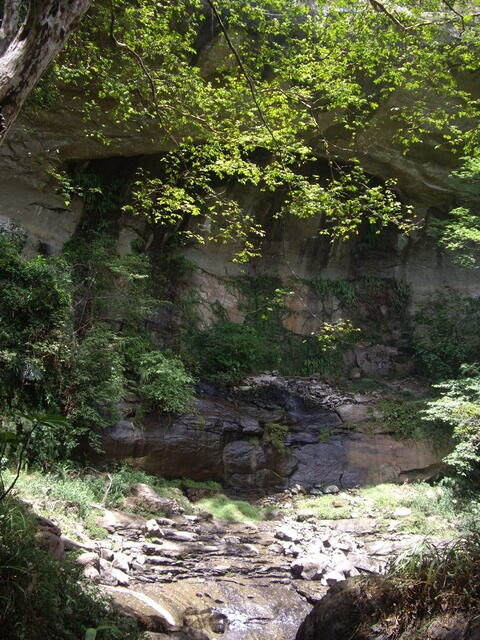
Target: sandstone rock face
225, 441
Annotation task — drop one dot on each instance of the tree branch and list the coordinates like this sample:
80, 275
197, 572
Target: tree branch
381, 8
453, 10
34, 44
5, 492
11, 14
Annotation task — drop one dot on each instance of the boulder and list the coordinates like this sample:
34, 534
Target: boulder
144, 497
349, 609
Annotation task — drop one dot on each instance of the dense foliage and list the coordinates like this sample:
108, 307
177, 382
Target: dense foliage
35, 307
81, 363
239, 94
447, 335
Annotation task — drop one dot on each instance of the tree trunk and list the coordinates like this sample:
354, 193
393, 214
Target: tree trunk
27, 48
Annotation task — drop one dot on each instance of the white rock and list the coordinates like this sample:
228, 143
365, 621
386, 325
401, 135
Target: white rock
332, 577
89, 558
121, 561
151, 528
91, 573
106, 554
121, 577
288, 534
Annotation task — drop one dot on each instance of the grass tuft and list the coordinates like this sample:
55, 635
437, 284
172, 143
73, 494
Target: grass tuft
224, 508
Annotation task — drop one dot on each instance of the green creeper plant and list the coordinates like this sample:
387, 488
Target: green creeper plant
446, 334
275, 434
459, 234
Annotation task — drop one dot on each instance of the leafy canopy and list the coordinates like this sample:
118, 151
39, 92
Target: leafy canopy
241, 93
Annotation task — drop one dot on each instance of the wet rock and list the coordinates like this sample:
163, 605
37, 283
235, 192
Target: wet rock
181, 536
224, 441
310, 567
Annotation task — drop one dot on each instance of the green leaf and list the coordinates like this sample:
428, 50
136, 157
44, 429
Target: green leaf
8, 436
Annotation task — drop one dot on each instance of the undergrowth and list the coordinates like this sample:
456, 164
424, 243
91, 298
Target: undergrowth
224, 508
437, 580
41, 598
433, 510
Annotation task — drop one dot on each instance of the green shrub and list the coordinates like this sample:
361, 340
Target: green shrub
227, 352
458, 407
402, 417
225, 508
433, 578
96, 383
164, 383
327, 507
35, 327
276, 434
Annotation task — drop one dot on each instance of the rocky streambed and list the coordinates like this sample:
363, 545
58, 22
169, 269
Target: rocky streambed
194, 577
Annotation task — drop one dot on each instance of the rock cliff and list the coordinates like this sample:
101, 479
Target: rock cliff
274, 434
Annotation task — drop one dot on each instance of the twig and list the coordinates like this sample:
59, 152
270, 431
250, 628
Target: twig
453, 10
107, 490
19, 466
245, 73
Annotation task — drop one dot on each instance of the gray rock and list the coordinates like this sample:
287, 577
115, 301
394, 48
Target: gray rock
88, 558
332, 488
151, 528
92, 573
119, 576
331, 577
289, 534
